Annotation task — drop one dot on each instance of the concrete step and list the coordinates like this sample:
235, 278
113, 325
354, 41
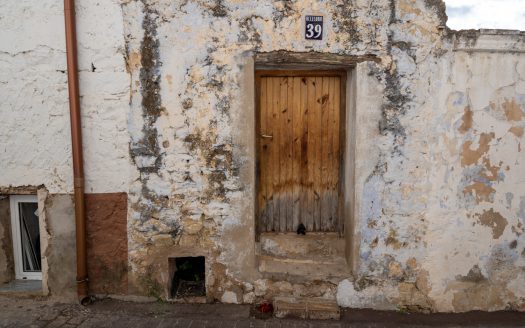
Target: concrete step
332, 269
22, 288
306, 308
312, 246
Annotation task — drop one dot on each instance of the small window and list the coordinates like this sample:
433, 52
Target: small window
26, 237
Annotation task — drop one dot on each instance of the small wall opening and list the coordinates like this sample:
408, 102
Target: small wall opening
187, 277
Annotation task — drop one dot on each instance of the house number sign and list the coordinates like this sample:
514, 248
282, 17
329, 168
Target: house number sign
313, 28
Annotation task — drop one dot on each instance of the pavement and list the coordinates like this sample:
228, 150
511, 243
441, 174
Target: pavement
42, 312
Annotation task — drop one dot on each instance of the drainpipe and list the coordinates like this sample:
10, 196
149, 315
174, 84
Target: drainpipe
76, 145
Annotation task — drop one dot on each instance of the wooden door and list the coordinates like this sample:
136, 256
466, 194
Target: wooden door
299, 141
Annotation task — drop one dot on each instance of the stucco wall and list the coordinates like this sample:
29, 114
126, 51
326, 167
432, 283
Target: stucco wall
438, 214
476, 219
440, 224
57, 231
35, 129
35, 134
107, 243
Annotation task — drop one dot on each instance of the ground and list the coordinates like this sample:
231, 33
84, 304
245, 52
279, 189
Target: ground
41, 312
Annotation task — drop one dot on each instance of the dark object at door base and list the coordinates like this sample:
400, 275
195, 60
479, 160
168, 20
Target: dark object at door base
301, 229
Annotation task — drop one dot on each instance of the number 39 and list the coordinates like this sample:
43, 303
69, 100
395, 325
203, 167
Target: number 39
313, 30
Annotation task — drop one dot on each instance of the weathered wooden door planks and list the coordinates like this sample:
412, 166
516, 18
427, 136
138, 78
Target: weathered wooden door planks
299, 150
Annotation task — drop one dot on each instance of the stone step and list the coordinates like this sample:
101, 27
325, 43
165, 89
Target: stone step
311, 246
332, 269
306, 308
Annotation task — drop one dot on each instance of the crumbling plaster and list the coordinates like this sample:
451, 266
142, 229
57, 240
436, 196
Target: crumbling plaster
439, 205
451, 223
422, 219
58, 245
478, 189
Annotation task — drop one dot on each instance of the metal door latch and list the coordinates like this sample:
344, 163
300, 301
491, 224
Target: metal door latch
266, 136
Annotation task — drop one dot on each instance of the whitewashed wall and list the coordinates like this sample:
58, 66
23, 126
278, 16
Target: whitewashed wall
34, 129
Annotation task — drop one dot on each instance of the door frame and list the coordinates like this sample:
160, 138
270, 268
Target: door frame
14, 200
342, 74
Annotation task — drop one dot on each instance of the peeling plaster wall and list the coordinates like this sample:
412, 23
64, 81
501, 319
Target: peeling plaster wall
424, 218
440, 225
439, 209
192, 127
35, 130
476, 223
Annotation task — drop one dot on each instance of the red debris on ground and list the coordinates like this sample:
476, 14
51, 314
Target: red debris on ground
266, 307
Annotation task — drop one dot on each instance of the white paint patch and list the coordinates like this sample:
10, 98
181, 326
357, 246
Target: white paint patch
370, 297
229, 297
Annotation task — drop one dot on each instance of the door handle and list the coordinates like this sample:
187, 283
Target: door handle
266, 136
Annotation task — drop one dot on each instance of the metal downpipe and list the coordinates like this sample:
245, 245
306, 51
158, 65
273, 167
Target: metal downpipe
76, 145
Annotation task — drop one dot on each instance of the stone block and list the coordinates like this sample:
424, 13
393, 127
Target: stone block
312, 308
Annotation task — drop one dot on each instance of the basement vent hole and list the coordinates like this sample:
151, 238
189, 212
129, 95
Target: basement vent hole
188, 277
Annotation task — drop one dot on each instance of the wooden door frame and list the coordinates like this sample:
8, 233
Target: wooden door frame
342, 74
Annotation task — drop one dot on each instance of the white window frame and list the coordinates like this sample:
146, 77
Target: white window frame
17, 241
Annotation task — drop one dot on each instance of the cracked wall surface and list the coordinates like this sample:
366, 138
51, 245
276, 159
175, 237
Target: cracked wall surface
168, 107
450, 227
35, 136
